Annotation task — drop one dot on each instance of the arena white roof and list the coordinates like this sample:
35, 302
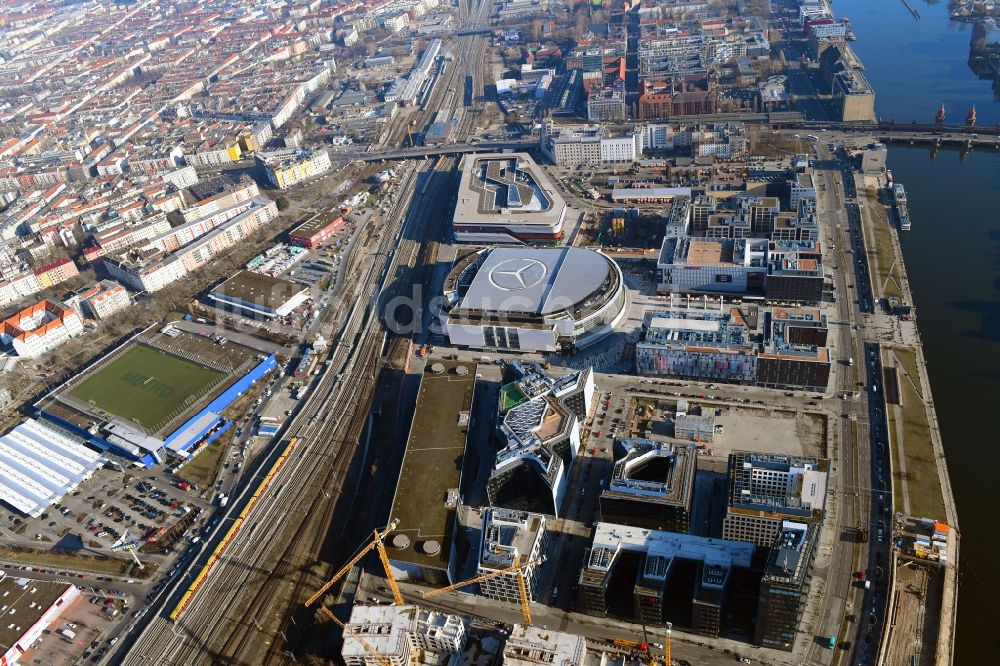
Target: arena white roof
38, 465
537, 281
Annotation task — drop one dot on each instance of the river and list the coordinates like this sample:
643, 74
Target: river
953, 261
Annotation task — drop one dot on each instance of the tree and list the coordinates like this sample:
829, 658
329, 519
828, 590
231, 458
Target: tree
536, 29
281, 203
580, 28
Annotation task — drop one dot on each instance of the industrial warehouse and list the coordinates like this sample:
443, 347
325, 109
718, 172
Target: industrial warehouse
533, 299
258, 295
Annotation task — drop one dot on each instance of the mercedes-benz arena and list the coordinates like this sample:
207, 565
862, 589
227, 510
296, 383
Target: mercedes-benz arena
505, 198
533, 299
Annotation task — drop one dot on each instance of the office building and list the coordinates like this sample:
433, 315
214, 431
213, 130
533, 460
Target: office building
798, 226
650, 485
695, 265
794, 272
704, 345
532, 299
532, 646
794, 353
539, 428
677, 222
511, 538
766, 489
627, 572
854, 97
802, 187
784, 587
727, 225
703, 207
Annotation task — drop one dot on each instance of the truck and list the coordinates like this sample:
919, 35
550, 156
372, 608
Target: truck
67, 633
850, 361
831, 642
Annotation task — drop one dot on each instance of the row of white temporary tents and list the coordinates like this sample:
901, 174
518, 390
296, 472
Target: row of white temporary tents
39, 464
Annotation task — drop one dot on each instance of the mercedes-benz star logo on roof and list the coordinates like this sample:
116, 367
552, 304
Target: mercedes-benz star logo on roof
517, 274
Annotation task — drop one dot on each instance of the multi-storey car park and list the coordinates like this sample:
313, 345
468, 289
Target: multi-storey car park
505, 198
423, 546
533, 299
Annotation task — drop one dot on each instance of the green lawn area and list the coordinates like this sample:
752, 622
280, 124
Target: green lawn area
921, 466
147, 386
907, 359
887, 279
203, 468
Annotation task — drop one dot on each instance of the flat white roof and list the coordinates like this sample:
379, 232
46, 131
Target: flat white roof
684, 324
38, 465
191, 433
612, 538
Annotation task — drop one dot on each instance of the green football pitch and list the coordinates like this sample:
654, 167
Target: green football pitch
146, 386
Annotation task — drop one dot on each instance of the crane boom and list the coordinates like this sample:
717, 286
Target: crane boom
381, 659
382, 555
375, 542
479, 579
522, 590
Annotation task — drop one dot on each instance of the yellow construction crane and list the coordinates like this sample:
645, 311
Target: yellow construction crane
381, 659
375, 543
667, 659
522, 587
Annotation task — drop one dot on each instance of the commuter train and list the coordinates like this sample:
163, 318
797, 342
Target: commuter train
262, 488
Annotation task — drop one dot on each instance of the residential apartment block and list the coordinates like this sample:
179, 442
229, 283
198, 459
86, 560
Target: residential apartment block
40, 328
289, 167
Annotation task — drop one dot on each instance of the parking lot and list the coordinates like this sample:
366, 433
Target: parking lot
102, 510
85, 621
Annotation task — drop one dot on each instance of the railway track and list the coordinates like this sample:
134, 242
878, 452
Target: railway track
448, 92
266, 567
